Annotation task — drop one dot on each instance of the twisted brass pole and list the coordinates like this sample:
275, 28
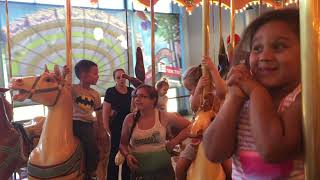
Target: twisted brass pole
310, 63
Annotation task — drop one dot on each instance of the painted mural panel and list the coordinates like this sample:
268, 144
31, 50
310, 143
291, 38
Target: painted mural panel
167, 45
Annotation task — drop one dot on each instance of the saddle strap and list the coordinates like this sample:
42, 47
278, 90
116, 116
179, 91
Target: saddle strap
71, 165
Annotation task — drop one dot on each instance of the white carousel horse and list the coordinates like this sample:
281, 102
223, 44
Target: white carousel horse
58, 154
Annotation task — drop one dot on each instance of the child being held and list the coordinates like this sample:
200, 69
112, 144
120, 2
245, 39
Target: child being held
162, 87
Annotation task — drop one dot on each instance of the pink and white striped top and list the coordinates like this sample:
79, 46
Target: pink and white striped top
248, 164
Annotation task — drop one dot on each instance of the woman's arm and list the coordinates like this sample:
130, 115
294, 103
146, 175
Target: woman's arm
125, 133
183, 134
106, 112
173, 120
124, 141
176, 121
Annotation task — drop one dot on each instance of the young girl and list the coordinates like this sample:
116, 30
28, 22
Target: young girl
260, 121
162, 87
143, 138
194, 82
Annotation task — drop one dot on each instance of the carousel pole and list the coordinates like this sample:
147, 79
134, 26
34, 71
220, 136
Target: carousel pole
68, 40
127, 33
310, 55
206, 51
205, 40
153, 60
220, 24
8, 38
9, 45
205, 28
232, 24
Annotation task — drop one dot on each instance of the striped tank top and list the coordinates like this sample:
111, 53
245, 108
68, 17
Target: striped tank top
248, 164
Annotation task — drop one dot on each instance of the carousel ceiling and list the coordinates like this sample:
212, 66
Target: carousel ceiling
239, 5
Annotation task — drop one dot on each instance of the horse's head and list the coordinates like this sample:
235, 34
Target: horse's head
44, 89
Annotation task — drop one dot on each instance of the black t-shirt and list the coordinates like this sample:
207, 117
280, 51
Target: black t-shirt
120, 103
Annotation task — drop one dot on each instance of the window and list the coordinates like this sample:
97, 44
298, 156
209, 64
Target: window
163, 6
105, 4
111, 4
28, 112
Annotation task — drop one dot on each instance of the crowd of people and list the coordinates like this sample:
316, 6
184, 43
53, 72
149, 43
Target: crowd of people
257, 130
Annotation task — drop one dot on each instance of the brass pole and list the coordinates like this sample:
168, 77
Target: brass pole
310, 56
68, 39
232, 24
127, 38
205, 28
8, 38
153, 59
220, 24
205, 37
9, 46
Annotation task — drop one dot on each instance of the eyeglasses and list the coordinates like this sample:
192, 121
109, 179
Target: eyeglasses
140, 96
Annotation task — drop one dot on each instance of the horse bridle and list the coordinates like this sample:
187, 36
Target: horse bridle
45, 90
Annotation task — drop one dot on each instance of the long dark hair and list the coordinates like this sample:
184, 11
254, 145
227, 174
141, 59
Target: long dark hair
290, 16
152, 94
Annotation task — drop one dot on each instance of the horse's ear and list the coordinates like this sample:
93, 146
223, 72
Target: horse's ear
57, 71
46, 68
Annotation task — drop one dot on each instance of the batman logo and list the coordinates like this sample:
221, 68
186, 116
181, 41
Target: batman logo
85, 103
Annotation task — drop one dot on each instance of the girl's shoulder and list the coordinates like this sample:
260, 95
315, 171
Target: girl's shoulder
293, 99
129, 118
131, 115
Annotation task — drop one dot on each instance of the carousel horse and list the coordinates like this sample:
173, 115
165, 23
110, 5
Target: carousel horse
34, 129
58, 154
14, 143
201, 168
